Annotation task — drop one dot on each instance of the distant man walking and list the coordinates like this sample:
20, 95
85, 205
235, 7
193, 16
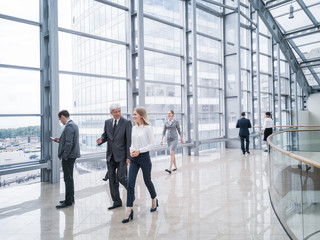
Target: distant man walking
68, 151
244, 124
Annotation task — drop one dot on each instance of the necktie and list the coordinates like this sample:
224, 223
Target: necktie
114, 126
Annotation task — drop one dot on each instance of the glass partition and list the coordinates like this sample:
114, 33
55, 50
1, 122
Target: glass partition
294, 184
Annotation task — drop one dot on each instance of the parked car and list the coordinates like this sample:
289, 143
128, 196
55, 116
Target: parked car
34, 156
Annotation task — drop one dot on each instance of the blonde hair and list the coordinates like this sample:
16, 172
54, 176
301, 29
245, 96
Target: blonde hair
143, 113
172, 112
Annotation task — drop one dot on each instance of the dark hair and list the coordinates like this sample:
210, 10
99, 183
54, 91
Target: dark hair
268, 114
243, 114
64, 113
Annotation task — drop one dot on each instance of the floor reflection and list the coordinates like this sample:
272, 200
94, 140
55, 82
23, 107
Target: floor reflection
218, 195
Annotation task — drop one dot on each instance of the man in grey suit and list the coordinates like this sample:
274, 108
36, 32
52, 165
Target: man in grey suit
68, 151
117, 132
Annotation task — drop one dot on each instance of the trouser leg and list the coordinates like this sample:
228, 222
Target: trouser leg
67, 167
122, 173
113, 183
242, 144
133, 171
146, 167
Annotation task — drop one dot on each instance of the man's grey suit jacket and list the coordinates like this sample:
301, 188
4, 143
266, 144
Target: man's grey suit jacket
119, 142
69, 142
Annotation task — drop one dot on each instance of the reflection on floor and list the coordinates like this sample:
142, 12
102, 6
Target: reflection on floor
218, 195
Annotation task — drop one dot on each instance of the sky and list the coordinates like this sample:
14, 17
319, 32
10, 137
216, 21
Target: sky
20, 45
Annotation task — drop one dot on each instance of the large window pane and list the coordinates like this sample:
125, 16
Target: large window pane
208, 49
27, 9
167, 10
19, 140
93, 17
208, 24
161, 67
162, 98
85, 55
161, 36
19, 91
208, 75
20, 44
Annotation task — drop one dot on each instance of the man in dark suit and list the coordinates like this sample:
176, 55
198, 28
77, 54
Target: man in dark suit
68, 151
117, 132
244, 124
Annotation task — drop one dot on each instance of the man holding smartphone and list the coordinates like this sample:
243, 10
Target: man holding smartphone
68, 151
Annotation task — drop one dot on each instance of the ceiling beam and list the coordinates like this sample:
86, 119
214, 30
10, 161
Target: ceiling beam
273, 28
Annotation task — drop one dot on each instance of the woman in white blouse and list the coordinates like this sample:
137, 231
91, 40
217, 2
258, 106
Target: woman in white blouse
267, 128
142, 142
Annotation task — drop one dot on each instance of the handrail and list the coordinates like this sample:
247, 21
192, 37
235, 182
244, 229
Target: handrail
291, 126
292, 155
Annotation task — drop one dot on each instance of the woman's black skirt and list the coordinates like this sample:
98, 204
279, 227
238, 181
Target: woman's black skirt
267, 133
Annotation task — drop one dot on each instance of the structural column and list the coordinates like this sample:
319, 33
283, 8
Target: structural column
195, 77
49, 63
141, 53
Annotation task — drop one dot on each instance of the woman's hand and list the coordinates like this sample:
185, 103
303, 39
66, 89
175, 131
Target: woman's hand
182, 141
161, 143
135, 153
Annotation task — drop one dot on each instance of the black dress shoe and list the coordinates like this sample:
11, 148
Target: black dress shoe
248, 152
167, 170
64, 205
114, 206
105, 179
65, 200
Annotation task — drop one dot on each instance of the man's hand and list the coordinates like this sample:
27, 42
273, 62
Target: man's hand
127, 160
99, 141
56, 140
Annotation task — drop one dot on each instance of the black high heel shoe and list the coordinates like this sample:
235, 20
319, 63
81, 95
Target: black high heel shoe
155, 209
128, 219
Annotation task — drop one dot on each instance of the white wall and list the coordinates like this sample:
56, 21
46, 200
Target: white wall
312, 115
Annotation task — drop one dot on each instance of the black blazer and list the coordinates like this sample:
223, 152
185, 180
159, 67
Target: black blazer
244, 124
119, 142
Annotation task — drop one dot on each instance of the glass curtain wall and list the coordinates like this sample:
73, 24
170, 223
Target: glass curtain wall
20, 107
92, 64
206, 60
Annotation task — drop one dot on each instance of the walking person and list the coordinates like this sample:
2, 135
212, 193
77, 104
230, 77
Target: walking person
68, 152
267, 128
171, 127
244, 124
142, 143
117, 132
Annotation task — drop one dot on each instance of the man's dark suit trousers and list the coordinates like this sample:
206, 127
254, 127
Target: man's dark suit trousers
244, 149
67, 167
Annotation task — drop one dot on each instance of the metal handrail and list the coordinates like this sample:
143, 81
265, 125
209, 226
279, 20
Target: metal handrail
290, 154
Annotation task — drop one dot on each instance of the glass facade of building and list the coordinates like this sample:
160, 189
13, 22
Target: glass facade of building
206, 60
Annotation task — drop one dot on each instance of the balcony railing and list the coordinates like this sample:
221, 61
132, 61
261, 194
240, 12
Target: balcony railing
294, 187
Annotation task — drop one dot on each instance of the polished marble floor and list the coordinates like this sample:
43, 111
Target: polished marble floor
220, 194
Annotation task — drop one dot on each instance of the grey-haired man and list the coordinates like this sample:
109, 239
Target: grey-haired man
117, 132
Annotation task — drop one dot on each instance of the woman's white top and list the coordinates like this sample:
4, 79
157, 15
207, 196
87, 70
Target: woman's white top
268, 123
142, 138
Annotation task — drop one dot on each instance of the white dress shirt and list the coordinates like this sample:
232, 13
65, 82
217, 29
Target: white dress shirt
268, 123
142, 138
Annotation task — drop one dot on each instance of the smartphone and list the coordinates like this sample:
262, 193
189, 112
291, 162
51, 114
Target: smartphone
52, 138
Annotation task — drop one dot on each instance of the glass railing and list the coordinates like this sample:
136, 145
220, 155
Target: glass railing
294, 171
